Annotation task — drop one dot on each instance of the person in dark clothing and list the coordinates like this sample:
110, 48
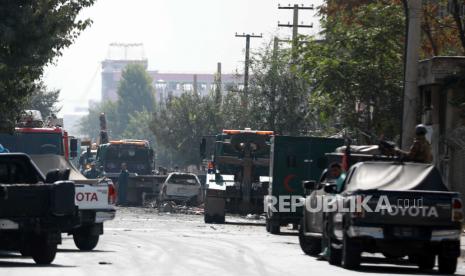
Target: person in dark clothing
123, 184
92, 173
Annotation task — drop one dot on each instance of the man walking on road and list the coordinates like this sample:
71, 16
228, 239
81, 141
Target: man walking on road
123, 184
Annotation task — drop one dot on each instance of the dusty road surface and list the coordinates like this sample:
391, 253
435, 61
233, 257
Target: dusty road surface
143, 242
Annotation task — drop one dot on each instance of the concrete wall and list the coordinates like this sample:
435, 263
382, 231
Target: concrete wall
439, 88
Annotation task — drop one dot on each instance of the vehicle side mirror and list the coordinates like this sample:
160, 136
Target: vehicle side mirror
310, 185
73, 148
331, 188
203, 148
53, 176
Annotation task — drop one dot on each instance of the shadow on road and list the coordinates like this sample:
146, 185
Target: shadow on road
31, 265
62, 250
244, 223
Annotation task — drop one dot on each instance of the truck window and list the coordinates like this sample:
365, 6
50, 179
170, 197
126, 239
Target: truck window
33, 143
15, 172
183, 180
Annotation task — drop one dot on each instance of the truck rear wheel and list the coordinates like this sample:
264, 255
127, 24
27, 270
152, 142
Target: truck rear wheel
275, 228
213, 219
85, 241
309, 245
351, 253
447, 265
426, 262
334, 255
43, 252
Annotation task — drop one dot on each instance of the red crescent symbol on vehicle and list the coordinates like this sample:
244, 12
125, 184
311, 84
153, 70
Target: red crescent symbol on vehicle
288, 179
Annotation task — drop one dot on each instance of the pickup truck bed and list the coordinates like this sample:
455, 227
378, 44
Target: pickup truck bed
408, 212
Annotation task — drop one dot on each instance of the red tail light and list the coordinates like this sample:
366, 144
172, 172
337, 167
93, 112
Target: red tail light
457, 212
111, 193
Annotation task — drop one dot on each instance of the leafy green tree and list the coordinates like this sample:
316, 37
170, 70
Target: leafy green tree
279, 98
135, 92
90, 124
138, 126
356, 72
44, 100
32, 34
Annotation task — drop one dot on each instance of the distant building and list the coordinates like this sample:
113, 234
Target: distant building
165, 84
111, 74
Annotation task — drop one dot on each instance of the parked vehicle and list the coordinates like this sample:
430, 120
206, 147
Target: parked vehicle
34, 208
182, 188
237, 178
322, 189
50, 148
292, 160
423, 221
139, 157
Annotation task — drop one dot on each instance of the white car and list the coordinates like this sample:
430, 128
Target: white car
182, 187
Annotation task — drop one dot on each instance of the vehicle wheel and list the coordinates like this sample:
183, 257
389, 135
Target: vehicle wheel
85, 242
426, 262
207, 218
310, 245
267, 225
351, 253
275, 228
42, 252
447, 265
334, 255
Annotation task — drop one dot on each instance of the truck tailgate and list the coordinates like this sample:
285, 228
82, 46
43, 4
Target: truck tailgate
413, 208
92, 197
36, 200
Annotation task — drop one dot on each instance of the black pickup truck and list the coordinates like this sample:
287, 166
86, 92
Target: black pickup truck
33, 208
401, 209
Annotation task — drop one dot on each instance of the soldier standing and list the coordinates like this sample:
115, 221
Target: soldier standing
421, 148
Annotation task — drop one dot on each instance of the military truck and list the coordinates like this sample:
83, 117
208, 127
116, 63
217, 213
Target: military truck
237, 178
138, 155
293, 159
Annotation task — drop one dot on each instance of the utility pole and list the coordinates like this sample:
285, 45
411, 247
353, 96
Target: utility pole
295, 23
411, 94
196, 85
247, 63
219, 85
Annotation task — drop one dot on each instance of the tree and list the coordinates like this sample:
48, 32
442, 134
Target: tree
90, 124
44, 100
279, 98
356, 73
135, 92
32, 34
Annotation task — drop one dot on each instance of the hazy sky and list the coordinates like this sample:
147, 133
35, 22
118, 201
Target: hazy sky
178, 35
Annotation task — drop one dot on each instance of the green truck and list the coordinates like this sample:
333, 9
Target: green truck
293, 160
237, 179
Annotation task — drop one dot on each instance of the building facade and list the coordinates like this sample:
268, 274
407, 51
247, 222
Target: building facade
165, 84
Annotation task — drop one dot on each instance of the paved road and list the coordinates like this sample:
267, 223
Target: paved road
142, 242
